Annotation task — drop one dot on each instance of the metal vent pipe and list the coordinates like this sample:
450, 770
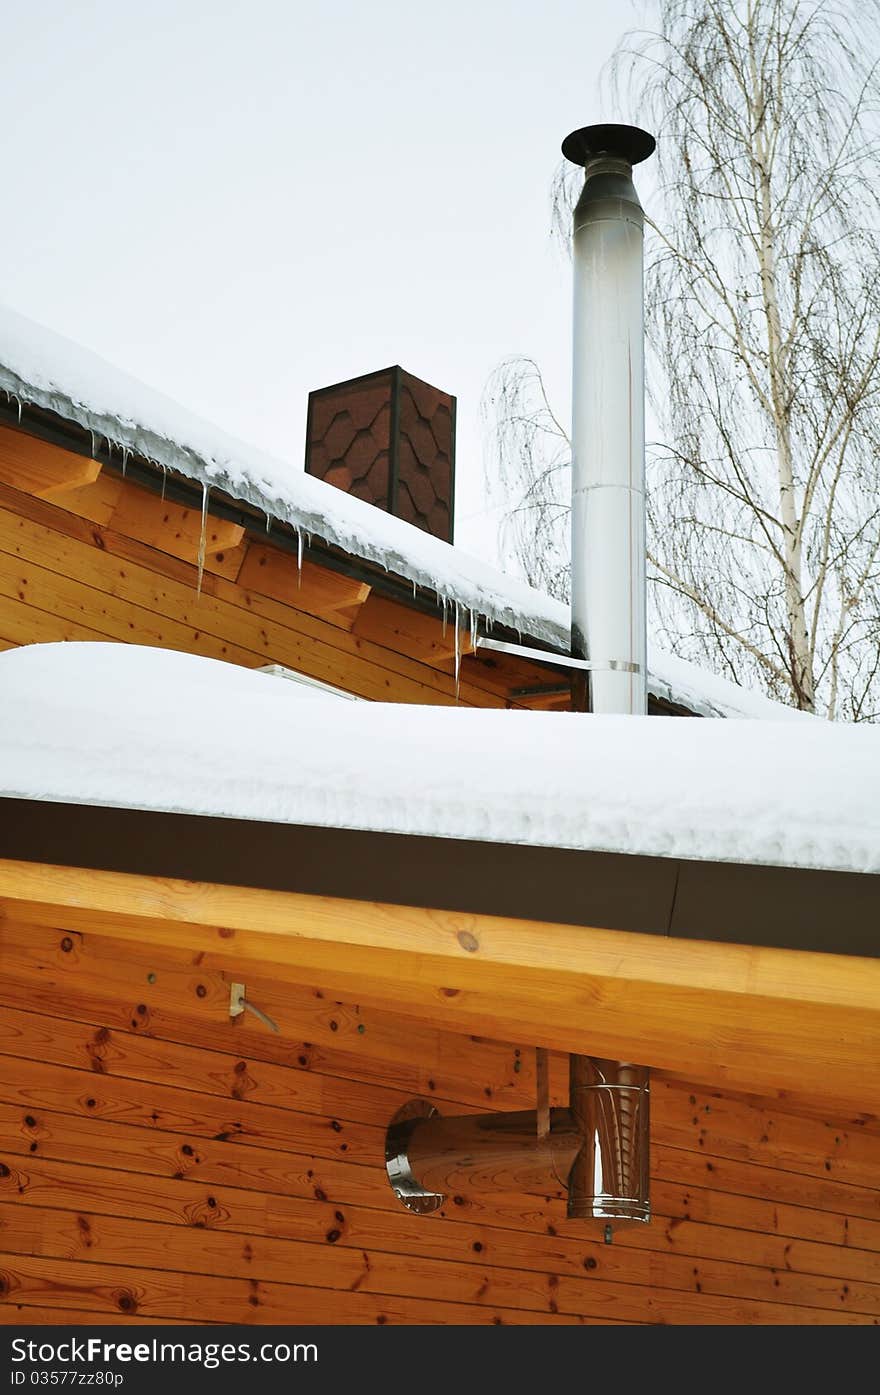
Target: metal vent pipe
597, 1148
608, 420
608, 581
610, 1107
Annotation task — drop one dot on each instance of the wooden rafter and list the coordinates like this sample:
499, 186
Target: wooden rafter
316, 590
401, 628
177, 530
38, 468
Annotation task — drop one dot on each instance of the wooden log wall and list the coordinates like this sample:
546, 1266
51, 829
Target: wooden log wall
93, 556
159, 1161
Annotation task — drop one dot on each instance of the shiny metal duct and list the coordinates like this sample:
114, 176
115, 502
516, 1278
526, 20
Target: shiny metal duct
597, 1148
609, 1099
610, 1106
608, 419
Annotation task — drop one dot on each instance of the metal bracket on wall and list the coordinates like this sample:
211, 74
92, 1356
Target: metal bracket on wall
547, 656
238, 1004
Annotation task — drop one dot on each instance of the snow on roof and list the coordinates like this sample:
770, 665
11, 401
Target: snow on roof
88, 724
687, 685
44, 369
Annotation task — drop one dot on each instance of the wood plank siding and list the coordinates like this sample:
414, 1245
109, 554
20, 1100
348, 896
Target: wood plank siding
684, 1005
111, 561
159, 1160
162, 1162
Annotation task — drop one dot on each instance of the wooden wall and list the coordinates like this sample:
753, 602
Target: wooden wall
159, 1161
110, 560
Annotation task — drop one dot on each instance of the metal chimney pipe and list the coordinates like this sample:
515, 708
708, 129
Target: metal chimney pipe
609, 1178
608, 421
597, 1148
609, 1099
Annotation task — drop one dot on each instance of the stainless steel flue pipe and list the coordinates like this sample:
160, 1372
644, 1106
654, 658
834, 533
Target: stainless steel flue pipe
608, 580
596, 1149
608, 419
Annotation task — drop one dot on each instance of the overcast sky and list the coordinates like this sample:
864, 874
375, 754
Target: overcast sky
241, 200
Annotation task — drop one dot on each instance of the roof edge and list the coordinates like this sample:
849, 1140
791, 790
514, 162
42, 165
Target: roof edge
733, 903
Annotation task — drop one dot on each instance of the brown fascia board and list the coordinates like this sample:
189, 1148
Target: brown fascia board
783, 907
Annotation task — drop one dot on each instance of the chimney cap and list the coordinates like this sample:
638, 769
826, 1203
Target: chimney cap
628, 143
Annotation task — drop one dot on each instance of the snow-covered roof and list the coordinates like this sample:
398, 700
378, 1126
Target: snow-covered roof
44, 369
85, 723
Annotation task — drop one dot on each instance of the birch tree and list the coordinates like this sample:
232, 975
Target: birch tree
763, 321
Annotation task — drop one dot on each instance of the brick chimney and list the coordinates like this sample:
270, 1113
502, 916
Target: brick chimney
387, 438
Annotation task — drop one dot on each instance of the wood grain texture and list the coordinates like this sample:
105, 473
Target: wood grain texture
263, 579
37, 1083
159, 1162
656, 1000
694, 1216
97, 561
23, 623
241, 1236
423, 636
97, 501
267, 571
167, 993
221, 1074
97, 1167
729, 1289
159, 1294
81, 607
34, 1315
36, 467
179, 531
104, 1125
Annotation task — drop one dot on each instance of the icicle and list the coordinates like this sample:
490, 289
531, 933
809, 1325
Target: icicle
473, 628
414, 590
94, 446
125, 454
457, 653
164, 481
18, 404
299, 557
444, 617
203, 538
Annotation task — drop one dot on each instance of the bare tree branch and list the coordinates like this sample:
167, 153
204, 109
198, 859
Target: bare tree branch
763, 322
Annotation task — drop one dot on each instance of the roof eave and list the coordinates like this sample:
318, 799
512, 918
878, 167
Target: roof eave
807, 909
